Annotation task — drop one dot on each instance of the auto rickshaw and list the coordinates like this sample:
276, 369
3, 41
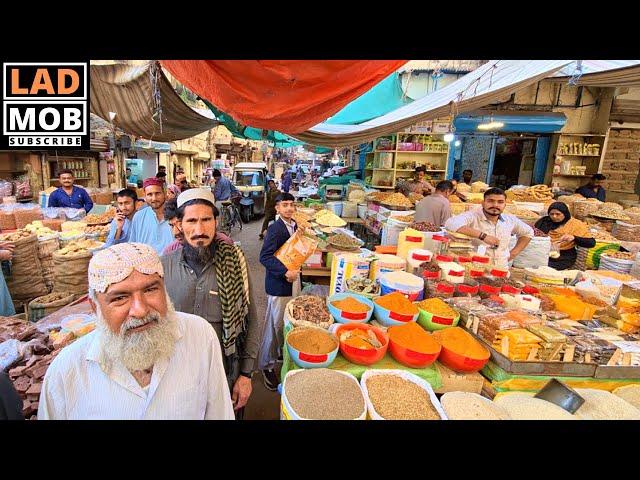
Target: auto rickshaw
250, 178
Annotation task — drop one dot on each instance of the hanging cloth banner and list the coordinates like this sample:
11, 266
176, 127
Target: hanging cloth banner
289, 96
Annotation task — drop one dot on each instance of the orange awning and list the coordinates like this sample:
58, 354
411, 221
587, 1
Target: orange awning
289, 96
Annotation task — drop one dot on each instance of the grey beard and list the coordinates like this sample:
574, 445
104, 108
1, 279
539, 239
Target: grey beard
139, 350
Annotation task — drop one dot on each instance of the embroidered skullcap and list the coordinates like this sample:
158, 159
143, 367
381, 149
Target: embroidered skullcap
116, 263
196, 194
152, 181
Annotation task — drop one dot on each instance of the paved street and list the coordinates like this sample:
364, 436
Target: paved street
263, 404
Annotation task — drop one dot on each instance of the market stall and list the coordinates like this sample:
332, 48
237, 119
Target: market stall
429, 311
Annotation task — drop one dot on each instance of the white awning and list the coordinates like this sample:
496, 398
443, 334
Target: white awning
489, 83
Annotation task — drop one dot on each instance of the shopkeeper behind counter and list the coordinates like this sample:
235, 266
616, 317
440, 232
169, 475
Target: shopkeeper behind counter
566, 233
594, 188
489, 226
68, 195
418, 184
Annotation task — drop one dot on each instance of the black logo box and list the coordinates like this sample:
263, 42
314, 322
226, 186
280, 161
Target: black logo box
37, 108
27, 72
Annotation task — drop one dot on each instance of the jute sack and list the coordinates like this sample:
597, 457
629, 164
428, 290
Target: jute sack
26, 281
45, 253
70, 273
42, 306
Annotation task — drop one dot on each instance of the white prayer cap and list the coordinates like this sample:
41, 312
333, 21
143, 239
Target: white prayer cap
116, 263
195, 194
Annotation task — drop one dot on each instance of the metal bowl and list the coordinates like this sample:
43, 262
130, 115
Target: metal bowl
561, 395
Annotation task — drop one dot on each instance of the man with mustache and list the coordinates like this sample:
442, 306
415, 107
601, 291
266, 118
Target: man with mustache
489, 226
144, 360
209, 278
171, 216
148, 225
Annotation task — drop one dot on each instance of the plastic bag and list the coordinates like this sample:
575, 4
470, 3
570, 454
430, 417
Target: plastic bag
296, 251
534, 254
10, 354
6, 188
317, 290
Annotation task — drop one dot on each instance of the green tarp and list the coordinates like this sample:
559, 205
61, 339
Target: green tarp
380, 100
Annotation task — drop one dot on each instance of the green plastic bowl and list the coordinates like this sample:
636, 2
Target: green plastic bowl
432, 323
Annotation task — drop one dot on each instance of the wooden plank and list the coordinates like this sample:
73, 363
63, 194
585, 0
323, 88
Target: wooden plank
555, 351
615, 358
316, 272
532, 354
569, 353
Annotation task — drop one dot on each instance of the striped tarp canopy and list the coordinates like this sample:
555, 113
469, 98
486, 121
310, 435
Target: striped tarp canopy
127, 91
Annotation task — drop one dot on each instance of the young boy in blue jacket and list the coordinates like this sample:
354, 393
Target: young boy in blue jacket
281, 285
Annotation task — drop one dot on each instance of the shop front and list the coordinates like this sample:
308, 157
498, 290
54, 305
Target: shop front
504, 150
144, 159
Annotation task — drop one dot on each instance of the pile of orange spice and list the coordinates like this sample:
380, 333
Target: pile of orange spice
461, 342
397, 303
414, 337
351, 305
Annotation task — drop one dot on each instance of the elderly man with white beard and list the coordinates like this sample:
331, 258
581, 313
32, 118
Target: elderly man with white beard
144, 360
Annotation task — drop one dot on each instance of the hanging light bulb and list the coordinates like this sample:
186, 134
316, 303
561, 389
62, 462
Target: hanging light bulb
458, 143
448, 137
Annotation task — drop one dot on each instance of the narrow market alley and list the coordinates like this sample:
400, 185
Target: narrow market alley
263, 404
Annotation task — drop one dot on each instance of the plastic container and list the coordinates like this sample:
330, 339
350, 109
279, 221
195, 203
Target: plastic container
409, 239
412, 358
307, 360
335, 207
458, 359
349, 210
498, 273
480, 262
468, 289
511, 290
361, 356
362, 211
341, 316
403, 282
529, 302
79, 324
452, 272
388, 318
385, 264
433, 322
439, 244
444, 290
416, 258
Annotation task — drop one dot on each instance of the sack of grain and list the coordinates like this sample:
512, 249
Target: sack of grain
534, 254
46, 248
42, 306
26, 280
321, 394
70, 273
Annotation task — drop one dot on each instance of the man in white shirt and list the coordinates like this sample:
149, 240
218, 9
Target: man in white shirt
144, 360
489, 226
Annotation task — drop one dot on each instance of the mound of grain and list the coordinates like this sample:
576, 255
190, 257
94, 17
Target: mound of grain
471, 406
602, 405
630, 394
521, 406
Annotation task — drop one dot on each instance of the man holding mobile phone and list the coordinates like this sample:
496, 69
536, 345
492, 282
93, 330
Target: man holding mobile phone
119, 232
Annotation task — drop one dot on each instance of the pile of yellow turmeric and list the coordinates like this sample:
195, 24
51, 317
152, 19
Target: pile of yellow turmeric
397, 303
351, 305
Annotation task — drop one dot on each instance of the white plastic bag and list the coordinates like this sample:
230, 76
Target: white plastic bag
534, 254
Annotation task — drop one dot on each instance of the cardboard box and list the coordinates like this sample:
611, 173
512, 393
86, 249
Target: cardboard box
458, 382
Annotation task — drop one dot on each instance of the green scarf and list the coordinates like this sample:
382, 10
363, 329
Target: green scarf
233, 293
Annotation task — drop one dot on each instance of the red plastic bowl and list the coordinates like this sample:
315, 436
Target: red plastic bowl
411, 358
361, 356
461, 363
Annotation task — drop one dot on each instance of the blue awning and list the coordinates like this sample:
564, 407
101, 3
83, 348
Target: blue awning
516, 122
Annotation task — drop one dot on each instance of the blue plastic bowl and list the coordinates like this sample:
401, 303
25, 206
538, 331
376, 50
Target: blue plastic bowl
305, 360
346, 317
389, 319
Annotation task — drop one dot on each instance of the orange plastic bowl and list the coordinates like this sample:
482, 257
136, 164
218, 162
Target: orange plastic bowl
411, 358
461, 363
361, 356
